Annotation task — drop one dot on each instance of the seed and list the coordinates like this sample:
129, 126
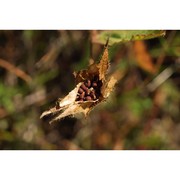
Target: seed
93, 96
80, 100
83, 87
88, 98
87, 91
88, 83
82, 95
80, 91
94, 84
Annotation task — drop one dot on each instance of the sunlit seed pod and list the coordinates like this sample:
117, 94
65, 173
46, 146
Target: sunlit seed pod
88, 98
80, 90
81, 96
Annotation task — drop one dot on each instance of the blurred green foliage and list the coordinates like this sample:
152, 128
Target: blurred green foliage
134, 117
119, 36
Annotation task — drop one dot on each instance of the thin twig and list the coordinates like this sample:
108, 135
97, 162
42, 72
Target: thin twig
162, 77
54, 50
18, 72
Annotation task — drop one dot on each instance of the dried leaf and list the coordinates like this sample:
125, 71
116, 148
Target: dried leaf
73, 109
103, 65
70, 98
143, 57
110, 83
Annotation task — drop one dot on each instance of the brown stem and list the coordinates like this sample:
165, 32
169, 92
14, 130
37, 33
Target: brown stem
18, 72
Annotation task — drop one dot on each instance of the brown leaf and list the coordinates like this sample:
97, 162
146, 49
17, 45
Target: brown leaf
103, 65
89, 73
108, 86
143, 57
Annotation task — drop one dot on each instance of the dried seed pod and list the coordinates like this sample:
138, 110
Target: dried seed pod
102, 89
80, 91
88, 98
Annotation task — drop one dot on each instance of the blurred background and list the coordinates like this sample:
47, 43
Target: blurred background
36, 68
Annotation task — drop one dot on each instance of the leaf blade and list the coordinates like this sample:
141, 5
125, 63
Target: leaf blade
118, 36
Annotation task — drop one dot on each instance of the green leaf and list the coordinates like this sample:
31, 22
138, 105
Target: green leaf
118, 36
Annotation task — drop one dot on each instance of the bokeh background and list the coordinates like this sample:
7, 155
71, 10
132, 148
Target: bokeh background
36, 68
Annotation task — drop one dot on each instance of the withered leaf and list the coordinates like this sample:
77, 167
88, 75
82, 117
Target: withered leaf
108, 86
93, 86
103, 65
61, 104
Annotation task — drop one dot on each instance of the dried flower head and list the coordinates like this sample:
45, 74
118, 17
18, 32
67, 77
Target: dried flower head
92, 87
